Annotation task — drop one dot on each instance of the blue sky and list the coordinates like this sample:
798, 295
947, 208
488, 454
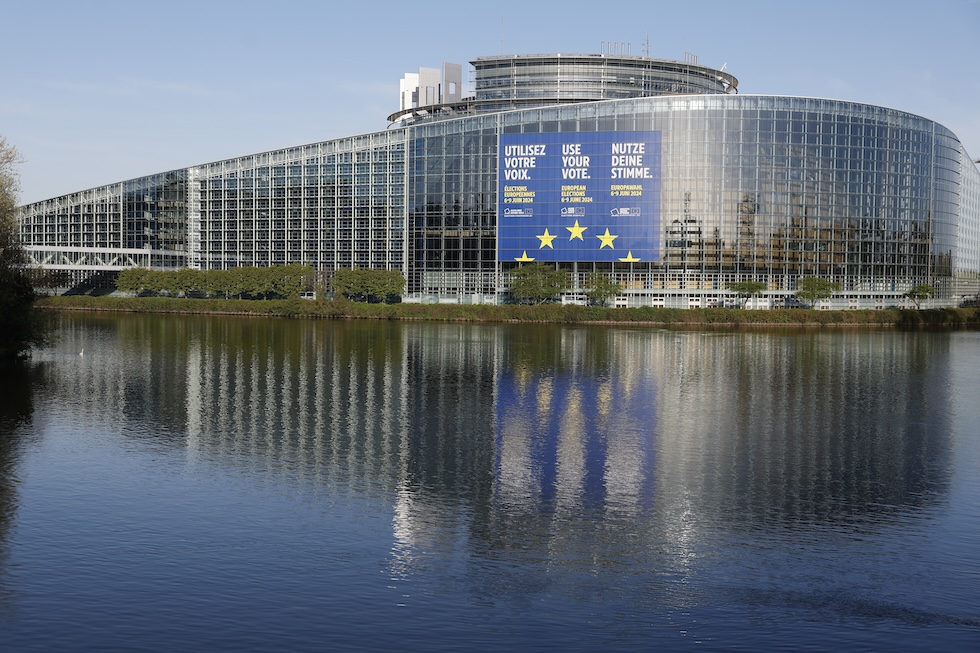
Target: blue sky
98, 91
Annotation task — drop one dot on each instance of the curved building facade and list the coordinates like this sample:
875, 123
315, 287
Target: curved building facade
507, 82
674, 191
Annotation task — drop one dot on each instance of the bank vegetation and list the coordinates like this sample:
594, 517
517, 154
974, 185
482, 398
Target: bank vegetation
554, 313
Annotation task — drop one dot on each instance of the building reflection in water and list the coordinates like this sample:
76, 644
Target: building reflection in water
813, 427
570, 446
575, 423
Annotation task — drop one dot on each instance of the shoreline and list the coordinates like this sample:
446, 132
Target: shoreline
962, 318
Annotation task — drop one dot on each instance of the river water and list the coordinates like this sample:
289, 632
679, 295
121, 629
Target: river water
235, 484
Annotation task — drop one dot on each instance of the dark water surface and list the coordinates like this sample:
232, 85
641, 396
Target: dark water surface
226, 484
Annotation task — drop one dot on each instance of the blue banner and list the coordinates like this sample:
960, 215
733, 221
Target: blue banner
579, 197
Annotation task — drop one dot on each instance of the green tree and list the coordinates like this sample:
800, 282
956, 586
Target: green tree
600, 288
132, 280
348, 283
746, 290
235, 282
212, 282
920, 292
261, 281
227, 283
372, 283
184, 281
22, 327
813, 289
537, 283
290, 280
156, 281
392, 285
368, 285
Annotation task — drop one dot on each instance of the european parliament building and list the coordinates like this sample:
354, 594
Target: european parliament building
655, 172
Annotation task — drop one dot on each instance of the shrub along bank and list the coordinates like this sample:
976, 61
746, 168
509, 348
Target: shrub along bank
556, 313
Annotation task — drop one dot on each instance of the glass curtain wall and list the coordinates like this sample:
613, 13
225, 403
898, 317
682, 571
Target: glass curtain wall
336, 204
91, 218
966, 264
762, 188
453, 210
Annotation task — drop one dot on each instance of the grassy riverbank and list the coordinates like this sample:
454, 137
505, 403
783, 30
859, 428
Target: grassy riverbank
947, 317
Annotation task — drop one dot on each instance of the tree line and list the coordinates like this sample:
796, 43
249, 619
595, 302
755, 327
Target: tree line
539, 283
530, 284
372, 286
277, 281
285, 281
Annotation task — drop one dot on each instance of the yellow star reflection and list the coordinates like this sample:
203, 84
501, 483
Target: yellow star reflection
607, 240
524, 258
546, 239
577, 232
629, 258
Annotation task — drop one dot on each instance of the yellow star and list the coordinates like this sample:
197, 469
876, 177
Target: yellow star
546, 239
524, 258
629, 258
607, 240
577, 232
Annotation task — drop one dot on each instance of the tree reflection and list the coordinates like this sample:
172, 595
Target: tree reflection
17, 381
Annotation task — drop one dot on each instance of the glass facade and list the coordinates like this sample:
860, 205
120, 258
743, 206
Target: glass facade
759, 188
751, 188
557, 78
333, 204
507, 82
